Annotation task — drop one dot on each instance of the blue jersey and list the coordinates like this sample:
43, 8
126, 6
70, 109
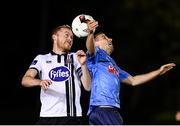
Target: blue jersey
106, 80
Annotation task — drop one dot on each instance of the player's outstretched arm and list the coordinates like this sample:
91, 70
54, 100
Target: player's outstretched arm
143, 78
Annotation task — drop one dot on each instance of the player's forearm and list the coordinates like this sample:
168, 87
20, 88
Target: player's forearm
28, 81
90, 43
141, 79
86, 78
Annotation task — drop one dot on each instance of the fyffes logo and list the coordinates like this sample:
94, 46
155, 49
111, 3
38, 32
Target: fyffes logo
59, 74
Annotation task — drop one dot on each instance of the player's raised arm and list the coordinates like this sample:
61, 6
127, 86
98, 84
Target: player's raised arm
143, 78
92, 25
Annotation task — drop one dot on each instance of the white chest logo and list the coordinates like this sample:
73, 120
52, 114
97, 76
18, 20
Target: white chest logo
61, 73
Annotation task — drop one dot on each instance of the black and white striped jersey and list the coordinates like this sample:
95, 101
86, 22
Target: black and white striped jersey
62, 98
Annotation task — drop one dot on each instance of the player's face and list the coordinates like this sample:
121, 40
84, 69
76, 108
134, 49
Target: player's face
105, 43
64, 39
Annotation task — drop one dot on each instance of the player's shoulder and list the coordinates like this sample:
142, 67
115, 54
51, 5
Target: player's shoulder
43, 56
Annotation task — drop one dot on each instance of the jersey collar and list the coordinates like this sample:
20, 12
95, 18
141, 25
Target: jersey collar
53, 53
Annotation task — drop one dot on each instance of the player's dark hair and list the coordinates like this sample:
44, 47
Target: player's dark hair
95, 36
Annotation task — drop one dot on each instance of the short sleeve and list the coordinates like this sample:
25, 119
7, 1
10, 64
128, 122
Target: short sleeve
123, 74
36, 63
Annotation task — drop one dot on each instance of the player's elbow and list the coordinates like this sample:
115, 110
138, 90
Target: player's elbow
24, 82
87, 88
87, 85
134, 83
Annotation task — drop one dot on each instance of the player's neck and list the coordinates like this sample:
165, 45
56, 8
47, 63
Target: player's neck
60, 52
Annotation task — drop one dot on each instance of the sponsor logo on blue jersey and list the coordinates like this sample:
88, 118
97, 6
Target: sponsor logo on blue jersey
61, 73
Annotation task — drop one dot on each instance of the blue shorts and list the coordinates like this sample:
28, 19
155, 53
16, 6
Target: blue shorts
105, 116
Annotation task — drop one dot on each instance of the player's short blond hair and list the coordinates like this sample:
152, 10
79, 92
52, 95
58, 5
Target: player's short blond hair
55, 30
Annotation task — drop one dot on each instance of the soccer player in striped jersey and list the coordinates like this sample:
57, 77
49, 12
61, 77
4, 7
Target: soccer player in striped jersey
61, 74
107, 78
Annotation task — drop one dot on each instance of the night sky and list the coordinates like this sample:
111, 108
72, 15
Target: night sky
145, 36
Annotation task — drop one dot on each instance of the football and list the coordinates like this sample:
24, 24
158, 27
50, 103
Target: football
79, 25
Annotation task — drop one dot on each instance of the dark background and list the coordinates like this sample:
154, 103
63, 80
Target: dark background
145, 35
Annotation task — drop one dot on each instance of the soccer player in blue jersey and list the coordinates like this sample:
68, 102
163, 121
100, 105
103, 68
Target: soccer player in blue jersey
61, 73
107, 78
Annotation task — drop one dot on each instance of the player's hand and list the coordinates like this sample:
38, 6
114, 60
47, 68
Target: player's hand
81, 56
92, 25
45, 84
164, 68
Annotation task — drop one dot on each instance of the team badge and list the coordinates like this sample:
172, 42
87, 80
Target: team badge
34, 62
113, 70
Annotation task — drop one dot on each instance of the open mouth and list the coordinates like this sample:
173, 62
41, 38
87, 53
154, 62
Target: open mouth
69, 43
110, 44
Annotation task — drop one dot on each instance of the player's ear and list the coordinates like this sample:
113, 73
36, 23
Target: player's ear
53, 37
96, 43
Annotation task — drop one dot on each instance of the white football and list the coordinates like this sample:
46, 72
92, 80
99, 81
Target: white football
79, 25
